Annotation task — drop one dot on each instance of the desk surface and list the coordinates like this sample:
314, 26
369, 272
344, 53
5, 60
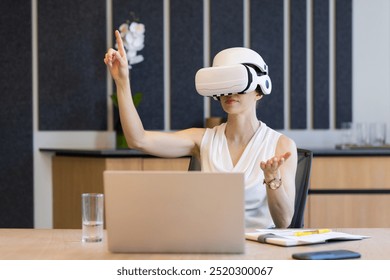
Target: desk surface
65, 244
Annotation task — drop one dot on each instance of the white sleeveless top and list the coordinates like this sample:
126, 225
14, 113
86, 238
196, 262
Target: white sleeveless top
215, 157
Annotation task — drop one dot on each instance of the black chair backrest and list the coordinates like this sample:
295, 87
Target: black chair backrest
302, 180
194, 164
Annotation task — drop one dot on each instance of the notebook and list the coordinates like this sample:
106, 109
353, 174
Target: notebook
296, 237
174, 212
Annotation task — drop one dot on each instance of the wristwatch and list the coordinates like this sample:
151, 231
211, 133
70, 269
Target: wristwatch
273, 184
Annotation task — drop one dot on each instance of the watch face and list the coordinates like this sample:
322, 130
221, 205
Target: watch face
275, 184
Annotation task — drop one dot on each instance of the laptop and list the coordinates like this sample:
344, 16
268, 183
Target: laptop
174, 212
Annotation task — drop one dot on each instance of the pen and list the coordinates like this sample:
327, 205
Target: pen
309, 232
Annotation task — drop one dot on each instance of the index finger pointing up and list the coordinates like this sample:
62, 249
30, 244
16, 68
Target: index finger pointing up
119, 41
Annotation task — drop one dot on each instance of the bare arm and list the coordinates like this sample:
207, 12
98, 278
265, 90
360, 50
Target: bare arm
284, 166
165, 144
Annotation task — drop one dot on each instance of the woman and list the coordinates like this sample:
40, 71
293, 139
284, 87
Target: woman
242, 144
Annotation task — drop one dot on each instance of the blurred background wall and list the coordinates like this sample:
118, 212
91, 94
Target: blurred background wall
328, 59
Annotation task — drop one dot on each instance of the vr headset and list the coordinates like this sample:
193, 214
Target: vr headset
235, 70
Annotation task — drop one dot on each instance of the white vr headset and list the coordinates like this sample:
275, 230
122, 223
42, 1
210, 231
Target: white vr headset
233, 71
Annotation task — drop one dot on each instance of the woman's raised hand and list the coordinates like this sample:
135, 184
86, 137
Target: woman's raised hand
116, 60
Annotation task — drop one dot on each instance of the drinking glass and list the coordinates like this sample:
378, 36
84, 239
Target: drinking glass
362, 134
378, 134
92, 217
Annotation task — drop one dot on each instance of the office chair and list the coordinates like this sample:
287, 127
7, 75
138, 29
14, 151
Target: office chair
194, 164
302, 180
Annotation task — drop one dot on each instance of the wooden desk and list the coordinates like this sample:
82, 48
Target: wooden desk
65, 244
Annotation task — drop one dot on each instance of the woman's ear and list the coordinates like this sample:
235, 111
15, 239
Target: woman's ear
259, 96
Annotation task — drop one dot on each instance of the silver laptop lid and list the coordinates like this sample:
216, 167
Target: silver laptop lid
174, 212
